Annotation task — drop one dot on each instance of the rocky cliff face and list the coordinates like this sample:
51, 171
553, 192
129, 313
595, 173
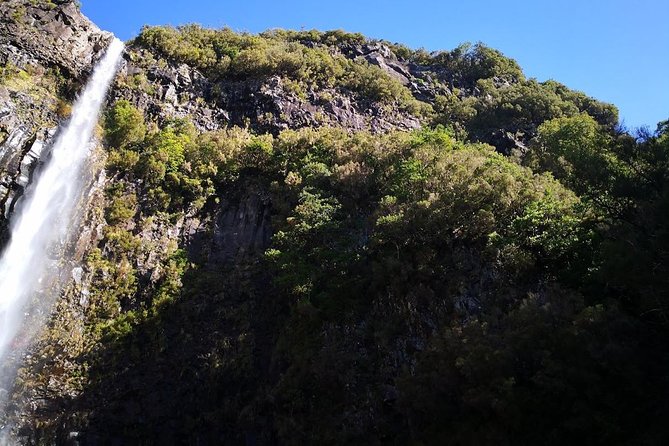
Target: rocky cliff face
227, 238
46, 51
50, 34
172, 326
71, 387
269, 104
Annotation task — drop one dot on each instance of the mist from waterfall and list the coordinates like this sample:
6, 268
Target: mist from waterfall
47, 211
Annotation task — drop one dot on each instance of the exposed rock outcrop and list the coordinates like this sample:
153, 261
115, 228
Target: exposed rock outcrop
265, 104
47, 34
42, 45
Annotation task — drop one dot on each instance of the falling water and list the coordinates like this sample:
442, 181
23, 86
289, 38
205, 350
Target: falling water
48, 208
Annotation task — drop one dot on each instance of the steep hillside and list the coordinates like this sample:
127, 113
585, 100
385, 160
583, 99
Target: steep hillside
315, 237
286, 79
45, 51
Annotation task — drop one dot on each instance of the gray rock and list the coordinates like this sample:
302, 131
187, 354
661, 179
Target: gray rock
77, 274
267, 105
35, 36
60, 36
242, 229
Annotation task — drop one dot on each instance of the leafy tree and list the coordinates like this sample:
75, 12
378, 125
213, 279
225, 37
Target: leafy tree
124, 125
577, 151
469, 63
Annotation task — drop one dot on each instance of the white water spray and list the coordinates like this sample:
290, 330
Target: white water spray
47, 211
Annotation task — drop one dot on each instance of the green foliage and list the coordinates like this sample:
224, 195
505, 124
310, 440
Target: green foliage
8, 72
519, 107
573, 148
295, 250
169, 144
19, 14
417, 288
174, 267
535, 376
624, 182
170, 165
452, 108
189, 44
139, 82
442, 212
469, 63
491, 95
124, 125
115, 283
226, 54
604, 114
373, 83
123, 160
122, 205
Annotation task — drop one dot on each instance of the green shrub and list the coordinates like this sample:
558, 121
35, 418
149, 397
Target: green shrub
124, 125
469, 63
122, 160
122, 206
223, 53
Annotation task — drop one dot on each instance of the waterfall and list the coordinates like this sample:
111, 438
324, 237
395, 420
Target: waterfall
47, 211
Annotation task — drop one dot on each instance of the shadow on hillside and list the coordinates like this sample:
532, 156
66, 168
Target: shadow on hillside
194, 372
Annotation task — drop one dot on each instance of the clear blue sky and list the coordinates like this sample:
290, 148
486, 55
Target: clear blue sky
614, 50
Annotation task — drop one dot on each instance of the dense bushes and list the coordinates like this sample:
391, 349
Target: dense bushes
489, 94
124, 125
467, 64
477, 88
495, 281
517, 108
625, 182
226, 54
417, 288
530, 377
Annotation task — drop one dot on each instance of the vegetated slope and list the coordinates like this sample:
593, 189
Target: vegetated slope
307, 238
